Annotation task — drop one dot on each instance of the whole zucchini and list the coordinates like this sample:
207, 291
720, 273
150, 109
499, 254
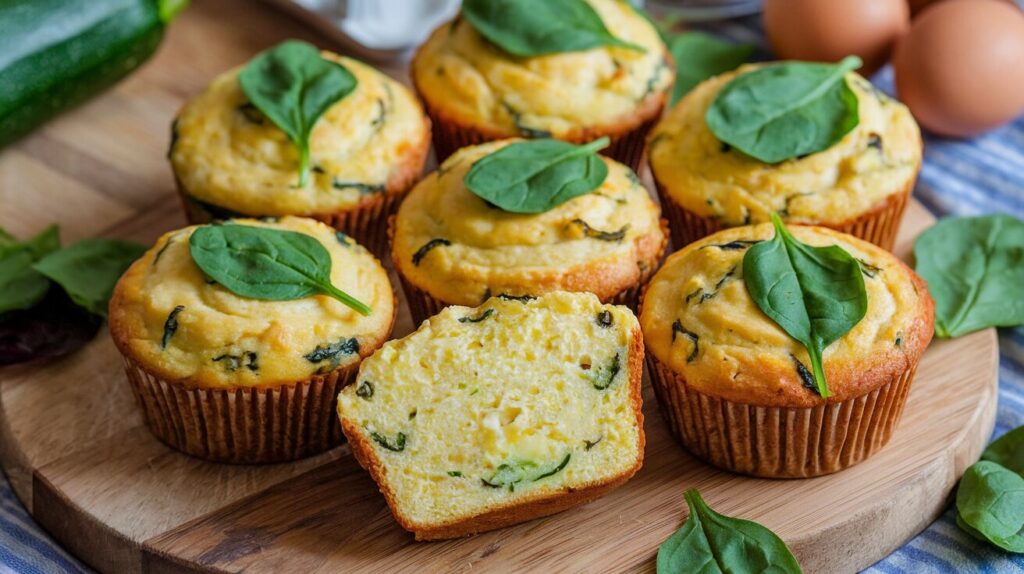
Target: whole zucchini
56, 53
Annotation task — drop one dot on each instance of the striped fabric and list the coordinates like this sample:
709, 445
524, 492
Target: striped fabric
983, 175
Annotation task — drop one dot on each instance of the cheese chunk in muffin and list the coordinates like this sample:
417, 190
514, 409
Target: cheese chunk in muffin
490, 416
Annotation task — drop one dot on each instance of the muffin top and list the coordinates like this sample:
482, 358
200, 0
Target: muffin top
225, 152
699, 319
876, 160
169, 317
472, 82
460, 249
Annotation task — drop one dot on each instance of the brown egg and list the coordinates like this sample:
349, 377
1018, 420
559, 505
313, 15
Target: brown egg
828, 30
960, 69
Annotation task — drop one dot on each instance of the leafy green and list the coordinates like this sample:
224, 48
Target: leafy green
268, 264
816, 294
293, 86
990, 501
89, 269
710, 543
974, 267
1008, 450
21, 286
699, 56
786, 110
512, 473
534, 176
528, 28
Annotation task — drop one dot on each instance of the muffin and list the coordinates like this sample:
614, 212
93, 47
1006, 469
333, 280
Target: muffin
475, 92
450, 247
527, 408
738, 391
858, 186
366, 151
233, 379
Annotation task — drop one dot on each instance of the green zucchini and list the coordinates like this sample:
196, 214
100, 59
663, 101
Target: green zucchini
55, 54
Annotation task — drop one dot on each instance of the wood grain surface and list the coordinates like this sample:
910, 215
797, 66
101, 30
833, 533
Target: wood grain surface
74, 447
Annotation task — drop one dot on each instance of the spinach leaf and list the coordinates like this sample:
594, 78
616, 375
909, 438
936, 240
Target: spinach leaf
1008, 450
990, 500
816, 294
171, 326
293, 86
699, 56
512, 473
786, 110
397, 445
974, 267
21, 286
534, 176
528, 28
89, 269
268, 264
712, 543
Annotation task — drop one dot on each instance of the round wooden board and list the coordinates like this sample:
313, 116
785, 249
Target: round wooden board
76, 451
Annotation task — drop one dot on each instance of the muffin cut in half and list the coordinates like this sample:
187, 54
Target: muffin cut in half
491, 416
234, 379
860, 185
451, 247
739, 392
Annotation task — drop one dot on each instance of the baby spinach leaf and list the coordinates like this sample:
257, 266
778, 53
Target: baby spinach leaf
974, 267
786, 110
711, 543
1008, 450
534, 176
53, 327
21, 286
816, 294
293, 86
990, 500
528, 28
268, 264
89, 269
699, 56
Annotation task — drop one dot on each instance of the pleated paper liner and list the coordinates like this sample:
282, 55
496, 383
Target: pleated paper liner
777, 442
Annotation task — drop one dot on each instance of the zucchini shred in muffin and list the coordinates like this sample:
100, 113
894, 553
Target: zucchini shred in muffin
489, 416
860, 185
475, 92
738, 391
450, 247
234, 379
366, 151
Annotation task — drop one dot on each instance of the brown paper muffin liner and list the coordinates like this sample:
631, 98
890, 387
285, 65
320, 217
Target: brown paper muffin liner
878, 226
777, 442
243, 425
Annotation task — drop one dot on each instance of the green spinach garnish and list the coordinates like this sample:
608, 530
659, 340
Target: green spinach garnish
974, 267
89, 269
397, 445
605, 375
528, 28
268, 264
422, 251
990, 498
679, 329
786, 110
534, 176
233, 362
470, 319
171, 326
509, 474
592, 233
710, 542
699, 56
333, 352
21, 286
293, 86
816, 294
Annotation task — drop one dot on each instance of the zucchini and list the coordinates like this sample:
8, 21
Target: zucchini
55, 54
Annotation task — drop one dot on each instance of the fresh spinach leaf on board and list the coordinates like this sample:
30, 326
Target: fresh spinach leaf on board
990, 501
974, 267
1008, 450
699, 56
293, 86
816, 294
89, 269
53, 327
786, 110
268, 264
712, 543
534, 176
528, 28
21, 286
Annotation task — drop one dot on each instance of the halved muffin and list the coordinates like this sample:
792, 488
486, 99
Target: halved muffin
450, 247
366, 151
235, 379
738, 391
859, 186
489, 416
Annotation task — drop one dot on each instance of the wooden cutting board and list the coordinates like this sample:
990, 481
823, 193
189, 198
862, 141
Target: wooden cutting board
79, 457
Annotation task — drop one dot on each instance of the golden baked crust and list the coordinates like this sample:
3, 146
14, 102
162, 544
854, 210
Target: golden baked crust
227, 341
744, 357
491, 251
878, 159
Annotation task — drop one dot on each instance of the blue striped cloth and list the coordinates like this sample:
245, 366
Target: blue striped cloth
969, 177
